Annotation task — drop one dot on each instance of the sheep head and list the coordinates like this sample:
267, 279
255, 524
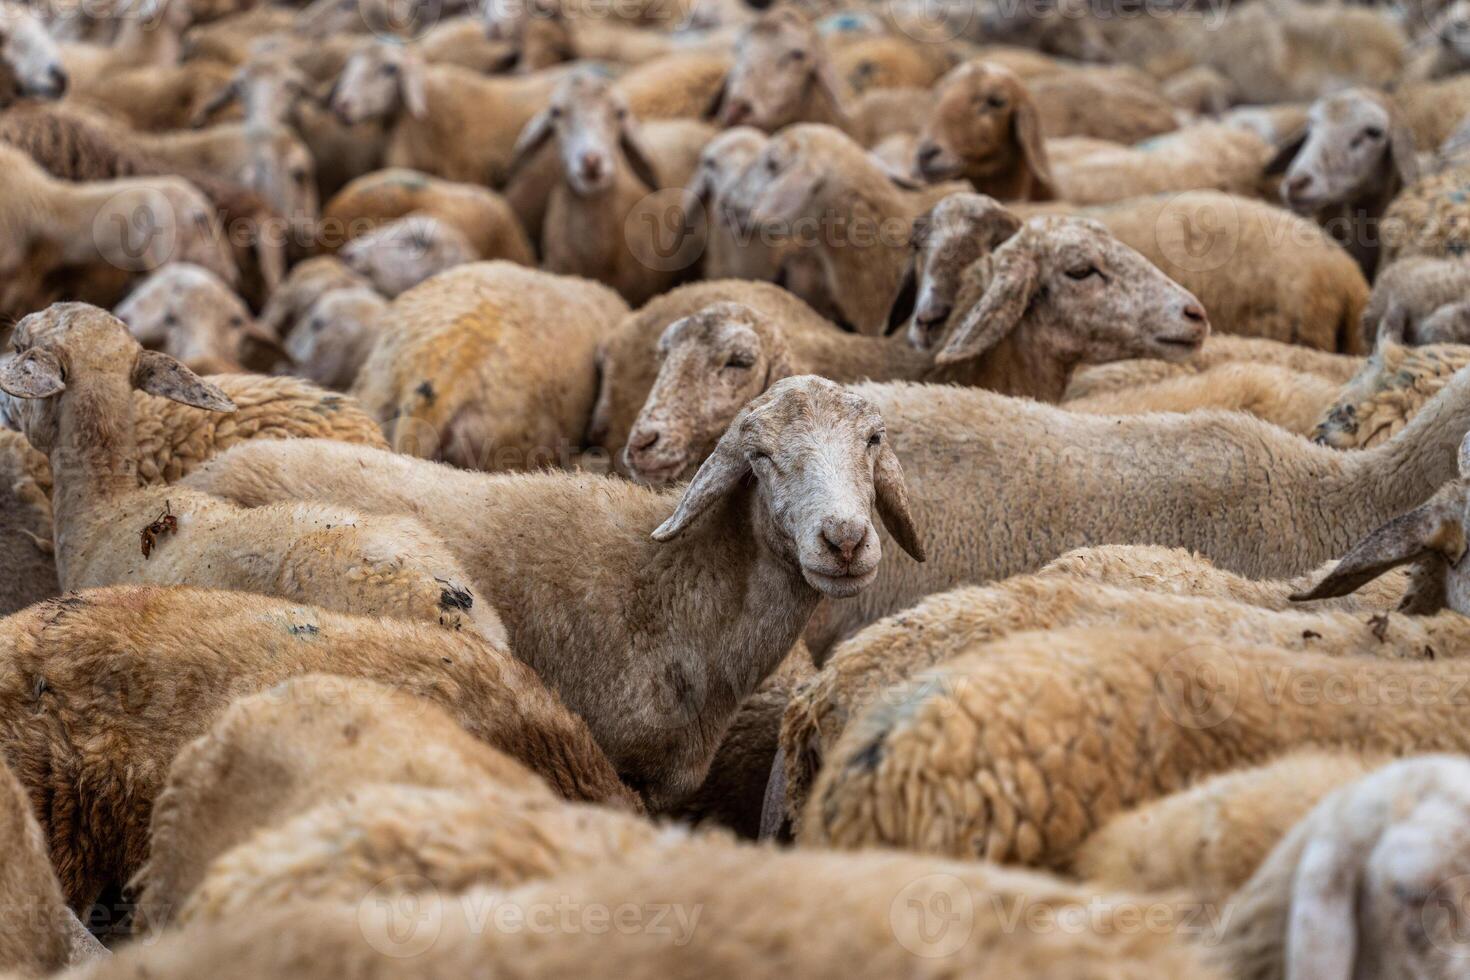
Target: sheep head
1082, 295
780, 64
190, 314
78, 346
30, 61
984, 124
1430, 537
593, 128
948, 239
377, 82
398, 255
1354, 146
820, 459
711, 364
330, 343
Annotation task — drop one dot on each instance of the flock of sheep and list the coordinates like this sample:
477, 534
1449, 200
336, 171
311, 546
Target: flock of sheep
705, 488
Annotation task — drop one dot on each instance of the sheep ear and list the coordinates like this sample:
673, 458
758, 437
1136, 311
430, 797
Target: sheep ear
260, 348
1012, 284
1321, 933
534, 136
1403, 152
1286, 152
718, 101
34, 374
1429, 531
824, 76
412, 84
638, 161
719, 475
1026, 125
893, 503
161, 375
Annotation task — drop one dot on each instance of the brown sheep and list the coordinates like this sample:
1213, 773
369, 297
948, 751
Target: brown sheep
26, 550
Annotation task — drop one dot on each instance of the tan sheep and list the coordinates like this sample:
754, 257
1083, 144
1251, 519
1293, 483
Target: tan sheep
478, 213
489, 366
308, 282
604, 219
1140, 714
75, 374
679, 85
1256, 499
1420, 300
272, 756
1209, 839
1430, 217
1203, 156
1371, 883
190, 314
712, 911
400, 254
1394, 384
1293, 400
628, 631
335, 336
26, 548
104, 688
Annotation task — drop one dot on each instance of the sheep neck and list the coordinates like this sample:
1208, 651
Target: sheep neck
863, 268
94, 460
1020, 364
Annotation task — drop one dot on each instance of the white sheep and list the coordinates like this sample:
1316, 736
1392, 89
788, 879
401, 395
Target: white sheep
335, 335
190, 314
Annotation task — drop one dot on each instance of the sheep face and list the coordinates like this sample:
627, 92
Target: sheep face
30, 62
1352, 148
536, 35
712, 364
1083, 296
779, 62
376, 83
188, 313
947, 240
980, 125
77, 346
399, 255
332, 340
594, 133
820, 458
723, 160
1452, 28
1450, 324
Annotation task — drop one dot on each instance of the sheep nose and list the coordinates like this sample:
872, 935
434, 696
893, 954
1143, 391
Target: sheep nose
844, 537
592, 164
59, 81
1299, 183
1194, 313
927, 152
643, 440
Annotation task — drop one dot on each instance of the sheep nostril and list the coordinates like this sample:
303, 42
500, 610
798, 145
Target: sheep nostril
644, 440
844, 538
1194, 313
592, 165
737, 110
1299, 183
59, 81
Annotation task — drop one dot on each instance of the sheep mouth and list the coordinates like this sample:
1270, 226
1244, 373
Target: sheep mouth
839, 586
1183, 345
657, 475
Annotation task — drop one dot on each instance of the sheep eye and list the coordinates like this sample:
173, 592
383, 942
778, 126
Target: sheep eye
740, 362
996, 102
390, 69
1083, 273
169, 320
1373, 133
796, 56
316, 326
237, 321
875, 440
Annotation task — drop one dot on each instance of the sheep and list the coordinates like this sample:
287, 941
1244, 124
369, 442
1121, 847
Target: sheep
25, 525
679, 85
1419, 300
1344, 167
481, 215
1370, 883
335, 336
1444, 47
1433, 110
730, 252
399, 255
985, 127
1022, 332
131, 225
190, 314
307, 283
759, 554
160, 99
603, 219
441, 119
1209, 839
489, 365
1274, 124
888, 61
1243, 492
30, 61
695, 914
1217, 350
816, 189
386, 839
274, 755
144, 39
1294, 400
1258, 270
74, 373
106, 687
1380, 400
1140, 714
36, 937
948, 624
1203, 156
1429, 217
